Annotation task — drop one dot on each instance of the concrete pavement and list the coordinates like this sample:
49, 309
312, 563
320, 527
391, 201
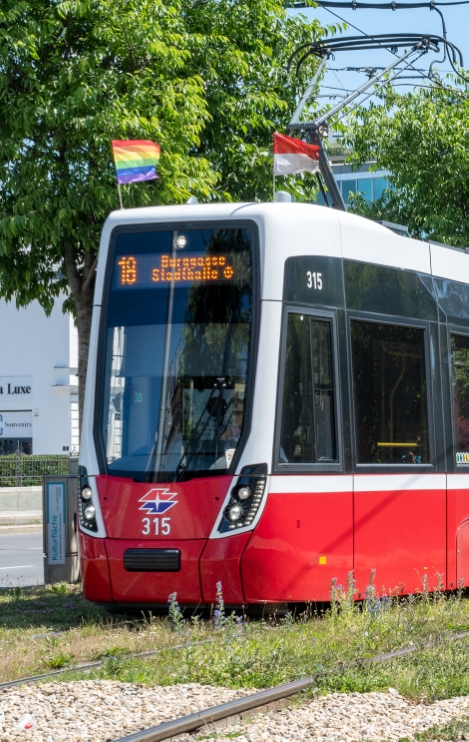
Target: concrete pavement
21, 560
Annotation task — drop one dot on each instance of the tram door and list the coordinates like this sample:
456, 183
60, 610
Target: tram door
399, 503
304, 537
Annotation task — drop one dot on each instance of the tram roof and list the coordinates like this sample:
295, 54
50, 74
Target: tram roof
295, 229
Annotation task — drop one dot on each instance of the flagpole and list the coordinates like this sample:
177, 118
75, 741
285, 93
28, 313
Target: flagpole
120, 195
273, 184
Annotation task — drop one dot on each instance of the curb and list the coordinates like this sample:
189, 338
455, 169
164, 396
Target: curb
23, 528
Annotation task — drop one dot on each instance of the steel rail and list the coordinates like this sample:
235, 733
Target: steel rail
192, 722
86, 666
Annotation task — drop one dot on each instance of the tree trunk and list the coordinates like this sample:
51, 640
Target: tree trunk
81, 282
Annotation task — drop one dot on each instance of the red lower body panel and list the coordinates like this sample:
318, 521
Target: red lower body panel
404, 526
221, 562
95, 569
401, 533
155, 587
301, 543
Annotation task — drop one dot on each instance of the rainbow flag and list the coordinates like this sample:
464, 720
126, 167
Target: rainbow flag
135, 159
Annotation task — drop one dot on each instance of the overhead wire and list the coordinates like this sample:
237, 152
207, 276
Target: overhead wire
432, 78
379, 85
353, 5
432, 5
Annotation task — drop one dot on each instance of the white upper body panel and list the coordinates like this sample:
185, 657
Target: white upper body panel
450, 263
370, 242
291, 229
285, 230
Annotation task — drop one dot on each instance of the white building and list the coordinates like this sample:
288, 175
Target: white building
38, 383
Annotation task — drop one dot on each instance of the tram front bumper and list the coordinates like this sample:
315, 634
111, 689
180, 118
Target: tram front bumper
146, 572
149, 571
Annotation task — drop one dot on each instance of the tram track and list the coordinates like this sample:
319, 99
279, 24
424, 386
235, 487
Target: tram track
264, 699
260, 700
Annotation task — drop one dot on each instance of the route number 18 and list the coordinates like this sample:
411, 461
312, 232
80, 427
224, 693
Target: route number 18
314, 280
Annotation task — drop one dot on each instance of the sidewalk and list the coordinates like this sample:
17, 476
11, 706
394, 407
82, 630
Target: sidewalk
20, 521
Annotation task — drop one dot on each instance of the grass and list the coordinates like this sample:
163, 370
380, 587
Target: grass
334, 646
46, 628
455, 730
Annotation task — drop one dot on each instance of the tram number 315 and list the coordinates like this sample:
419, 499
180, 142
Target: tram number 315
161, 526
314, 280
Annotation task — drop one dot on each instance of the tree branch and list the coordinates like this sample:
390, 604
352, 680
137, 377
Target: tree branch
90, 276
73, 276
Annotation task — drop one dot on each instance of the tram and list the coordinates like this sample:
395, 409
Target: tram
277, 394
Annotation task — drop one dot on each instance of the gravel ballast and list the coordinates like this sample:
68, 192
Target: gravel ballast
100, 710
348, 717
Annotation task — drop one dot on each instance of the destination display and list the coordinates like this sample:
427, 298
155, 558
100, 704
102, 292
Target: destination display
156, 271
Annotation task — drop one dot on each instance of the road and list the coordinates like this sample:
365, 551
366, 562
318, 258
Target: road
21, 561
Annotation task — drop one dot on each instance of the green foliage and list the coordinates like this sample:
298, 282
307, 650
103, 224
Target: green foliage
205, 80
27, 470
335, 648
61, 659
422, 138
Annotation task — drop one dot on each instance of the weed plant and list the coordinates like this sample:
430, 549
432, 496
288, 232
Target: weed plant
334, 646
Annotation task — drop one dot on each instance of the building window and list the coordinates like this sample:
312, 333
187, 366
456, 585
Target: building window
390, 394
379, 186
307, 433
10, 446
365, 187
348, 188
460, 386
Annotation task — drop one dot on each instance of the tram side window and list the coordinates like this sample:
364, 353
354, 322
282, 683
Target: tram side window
390, 394
460, 384
307, 432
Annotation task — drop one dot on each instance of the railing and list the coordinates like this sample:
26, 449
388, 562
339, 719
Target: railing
23, 470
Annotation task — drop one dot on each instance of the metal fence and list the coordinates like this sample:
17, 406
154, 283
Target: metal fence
22, 470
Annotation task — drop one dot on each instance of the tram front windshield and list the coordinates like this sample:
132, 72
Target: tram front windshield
177, 344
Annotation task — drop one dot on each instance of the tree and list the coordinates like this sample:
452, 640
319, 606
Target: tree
205, 79
422, 138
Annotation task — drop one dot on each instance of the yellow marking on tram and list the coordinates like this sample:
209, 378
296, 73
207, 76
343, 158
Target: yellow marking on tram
322, 560
399, 445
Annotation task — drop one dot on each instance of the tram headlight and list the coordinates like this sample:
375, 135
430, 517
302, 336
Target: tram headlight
87, 493
89, 512
235, 513
244, 493
245, 500
86, 509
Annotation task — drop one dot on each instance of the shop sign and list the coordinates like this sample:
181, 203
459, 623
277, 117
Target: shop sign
56, 519
16, 424
16, 387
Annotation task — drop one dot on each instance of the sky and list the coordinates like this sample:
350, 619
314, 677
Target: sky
415, 20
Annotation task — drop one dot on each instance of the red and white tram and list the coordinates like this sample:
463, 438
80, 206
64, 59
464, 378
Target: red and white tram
277, 394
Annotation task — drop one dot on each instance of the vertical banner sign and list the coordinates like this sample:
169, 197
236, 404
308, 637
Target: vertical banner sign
56, 519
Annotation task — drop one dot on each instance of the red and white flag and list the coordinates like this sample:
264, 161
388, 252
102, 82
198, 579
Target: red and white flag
294, 156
